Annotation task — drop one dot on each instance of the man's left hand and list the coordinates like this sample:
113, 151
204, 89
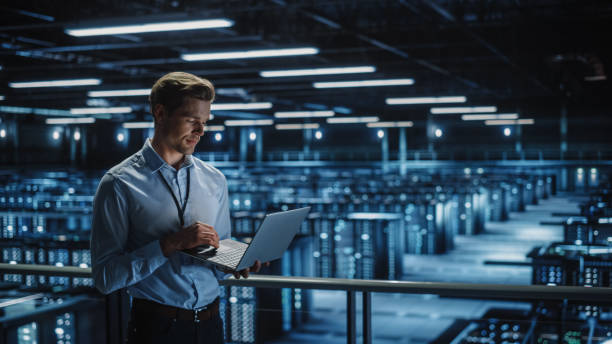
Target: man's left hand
245, 272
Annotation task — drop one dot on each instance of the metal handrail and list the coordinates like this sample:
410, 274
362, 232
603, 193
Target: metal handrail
459, 290
47, 270
366, 287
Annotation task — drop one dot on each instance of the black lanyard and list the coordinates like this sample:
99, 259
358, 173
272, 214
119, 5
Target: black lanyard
181, 210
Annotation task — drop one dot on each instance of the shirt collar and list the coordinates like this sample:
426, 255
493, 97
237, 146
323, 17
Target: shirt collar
155, 162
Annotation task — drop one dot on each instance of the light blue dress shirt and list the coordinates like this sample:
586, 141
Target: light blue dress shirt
133, 210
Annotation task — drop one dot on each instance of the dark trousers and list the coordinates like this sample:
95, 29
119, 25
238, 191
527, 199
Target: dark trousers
154, 328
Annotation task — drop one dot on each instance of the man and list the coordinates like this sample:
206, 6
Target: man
152, 205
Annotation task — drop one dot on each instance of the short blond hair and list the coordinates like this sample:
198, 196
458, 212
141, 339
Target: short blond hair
172, 88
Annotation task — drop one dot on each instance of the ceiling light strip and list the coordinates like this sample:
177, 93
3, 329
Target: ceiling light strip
247, 122
454, 110
400, 124
56, 83
425, 100
94, 110
248, 54
303, 114
36, 111
241, 106
120, 93
363, 83
291, 126
151, 27
137, 125
70, 120
214, 128
316, 71
351, 120
489, 116
523, 121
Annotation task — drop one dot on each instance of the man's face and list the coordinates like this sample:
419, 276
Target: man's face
181, 130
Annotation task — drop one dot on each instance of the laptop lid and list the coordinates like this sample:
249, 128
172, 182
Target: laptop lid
273, 237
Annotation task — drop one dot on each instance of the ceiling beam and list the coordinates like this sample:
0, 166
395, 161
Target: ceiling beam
451, 19
375, 42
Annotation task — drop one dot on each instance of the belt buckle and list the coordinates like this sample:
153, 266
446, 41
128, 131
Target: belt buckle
197, 311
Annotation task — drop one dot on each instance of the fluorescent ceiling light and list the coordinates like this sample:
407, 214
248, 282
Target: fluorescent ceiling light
241, 106
348, 120
489, 116
303, 114
71, 120
214, 128
1, 97
474, 109
247, 122
56, 83
120, 93
36, 111
316, 71
137, 125
595, 78
151, 27
94, 110
523, 121
374, 216
425, 100
363, 83
401, 124
249, 54
297, 126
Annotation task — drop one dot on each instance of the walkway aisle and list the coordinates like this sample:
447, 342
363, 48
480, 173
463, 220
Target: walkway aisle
400, 318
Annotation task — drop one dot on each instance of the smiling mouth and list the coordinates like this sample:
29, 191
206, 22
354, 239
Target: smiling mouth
192, 141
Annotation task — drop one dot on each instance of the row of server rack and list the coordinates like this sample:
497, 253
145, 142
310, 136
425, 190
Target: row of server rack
583, 258
361, 225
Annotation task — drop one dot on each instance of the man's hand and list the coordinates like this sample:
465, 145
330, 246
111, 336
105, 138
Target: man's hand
195, 235
245, 272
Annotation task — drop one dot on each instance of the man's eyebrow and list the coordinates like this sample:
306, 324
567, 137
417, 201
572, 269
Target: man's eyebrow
188, 114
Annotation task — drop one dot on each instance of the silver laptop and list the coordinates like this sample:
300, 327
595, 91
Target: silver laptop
270, 242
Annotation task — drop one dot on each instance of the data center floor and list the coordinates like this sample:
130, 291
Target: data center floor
422, 318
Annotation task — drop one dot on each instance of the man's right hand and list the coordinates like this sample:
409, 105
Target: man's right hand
195, 235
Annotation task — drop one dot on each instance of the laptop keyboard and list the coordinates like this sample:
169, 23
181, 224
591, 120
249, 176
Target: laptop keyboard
228, 258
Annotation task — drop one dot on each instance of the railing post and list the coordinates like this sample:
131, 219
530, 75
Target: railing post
367, 318
351, 323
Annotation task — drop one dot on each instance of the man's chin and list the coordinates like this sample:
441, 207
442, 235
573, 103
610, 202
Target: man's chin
188, 150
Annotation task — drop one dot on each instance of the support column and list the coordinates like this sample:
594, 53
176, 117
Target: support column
14, 131
430, 134
73, 144
84, 145
385, 150
367, 317
563, 129
402, 150
243, 144
518, 146
259, 145
351, 320
307, 139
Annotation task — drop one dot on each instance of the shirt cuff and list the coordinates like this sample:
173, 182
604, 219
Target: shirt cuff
220, 274
154, 254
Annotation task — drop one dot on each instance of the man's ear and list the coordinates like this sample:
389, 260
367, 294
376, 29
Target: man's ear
159, 112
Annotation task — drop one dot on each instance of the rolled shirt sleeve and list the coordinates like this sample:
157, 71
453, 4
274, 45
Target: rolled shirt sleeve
223, 221
113, 267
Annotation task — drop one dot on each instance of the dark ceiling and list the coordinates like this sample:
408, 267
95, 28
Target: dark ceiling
526, 56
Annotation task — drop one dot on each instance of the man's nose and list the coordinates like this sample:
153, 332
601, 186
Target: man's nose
199, 130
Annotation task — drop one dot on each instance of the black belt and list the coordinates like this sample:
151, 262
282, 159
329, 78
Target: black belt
196, 315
